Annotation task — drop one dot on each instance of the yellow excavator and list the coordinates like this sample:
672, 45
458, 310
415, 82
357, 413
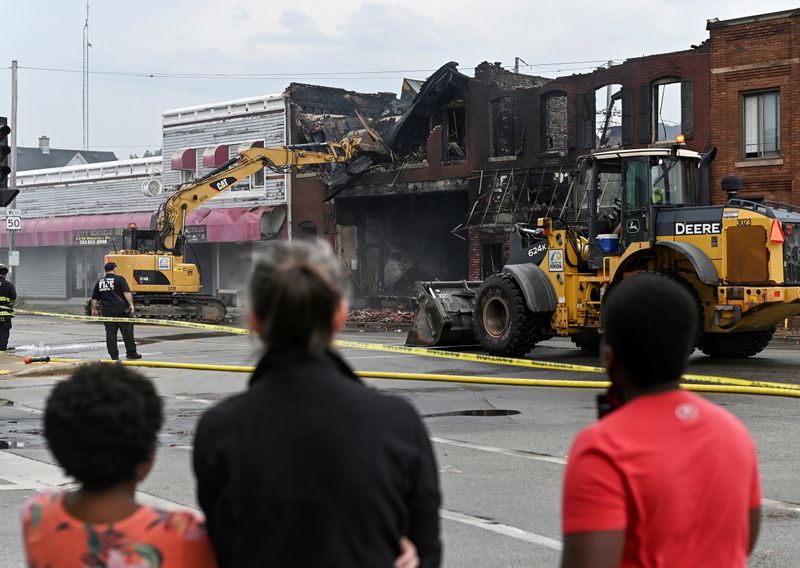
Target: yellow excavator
152, 260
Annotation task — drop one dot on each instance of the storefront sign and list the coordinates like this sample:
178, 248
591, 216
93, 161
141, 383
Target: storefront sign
94, 237
195, 233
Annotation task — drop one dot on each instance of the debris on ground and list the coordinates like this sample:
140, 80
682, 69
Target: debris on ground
380, 315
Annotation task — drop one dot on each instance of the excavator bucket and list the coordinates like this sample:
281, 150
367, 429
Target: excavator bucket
445, 314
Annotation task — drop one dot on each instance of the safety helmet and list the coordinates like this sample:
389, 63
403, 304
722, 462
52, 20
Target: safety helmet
3, 269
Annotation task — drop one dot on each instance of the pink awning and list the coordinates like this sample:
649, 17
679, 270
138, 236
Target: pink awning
230, 224
215, 156
58, 231
222, 225
185, 159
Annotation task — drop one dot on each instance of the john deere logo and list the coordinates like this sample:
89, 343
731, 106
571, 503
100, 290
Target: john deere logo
632, 226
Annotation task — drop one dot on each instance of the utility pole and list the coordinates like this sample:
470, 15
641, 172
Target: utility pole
517, 61
608, 92
86, 46
13, 176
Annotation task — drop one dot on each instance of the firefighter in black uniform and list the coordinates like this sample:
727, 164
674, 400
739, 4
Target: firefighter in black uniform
116, 300
8, 295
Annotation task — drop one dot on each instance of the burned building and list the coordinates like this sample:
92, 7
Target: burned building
468, 164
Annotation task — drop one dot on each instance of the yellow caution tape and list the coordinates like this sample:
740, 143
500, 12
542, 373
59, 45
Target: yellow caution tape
425, 352
144, 321
504, 381
530, 363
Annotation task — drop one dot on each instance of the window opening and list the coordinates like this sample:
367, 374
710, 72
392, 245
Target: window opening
608, 108
761, 124
667, 109
455, 143
555, 123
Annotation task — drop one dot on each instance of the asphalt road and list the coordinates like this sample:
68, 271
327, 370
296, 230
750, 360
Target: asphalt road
500, 449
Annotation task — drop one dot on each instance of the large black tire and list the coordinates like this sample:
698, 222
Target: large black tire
736, 345
501, 319
588, 342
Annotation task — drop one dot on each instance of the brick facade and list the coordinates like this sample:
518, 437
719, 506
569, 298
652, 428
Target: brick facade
749, 55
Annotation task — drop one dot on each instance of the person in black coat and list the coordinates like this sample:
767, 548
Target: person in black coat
8, 295
309, 467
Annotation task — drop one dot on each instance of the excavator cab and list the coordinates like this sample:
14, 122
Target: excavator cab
139, 240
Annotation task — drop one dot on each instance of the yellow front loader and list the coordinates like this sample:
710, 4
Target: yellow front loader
631, 211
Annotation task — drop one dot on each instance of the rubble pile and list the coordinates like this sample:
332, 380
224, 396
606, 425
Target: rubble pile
380, 315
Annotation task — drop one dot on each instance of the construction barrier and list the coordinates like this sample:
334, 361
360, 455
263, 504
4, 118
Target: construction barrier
427, 352
503, 381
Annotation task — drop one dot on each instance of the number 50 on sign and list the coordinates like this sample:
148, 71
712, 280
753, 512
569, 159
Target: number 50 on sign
13, 223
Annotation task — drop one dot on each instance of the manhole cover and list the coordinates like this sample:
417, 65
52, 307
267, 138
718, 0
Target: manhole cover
488, 412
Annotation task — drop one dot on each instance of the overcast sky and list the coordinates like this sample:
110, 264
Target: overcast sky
366, 46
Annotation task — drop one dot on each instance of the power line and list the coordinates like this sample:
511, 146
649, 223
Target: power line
323, 74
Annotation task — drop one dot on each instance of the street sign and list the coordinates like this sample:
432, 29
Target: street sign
13, 223
13, 258
13, 213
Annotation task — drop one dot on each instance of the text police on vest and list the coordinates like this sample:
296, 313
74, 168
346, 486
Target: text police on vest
697, 228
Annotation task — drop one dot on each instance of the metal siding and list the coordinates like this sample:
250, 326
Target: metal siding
42, 273
86, 198
232, 131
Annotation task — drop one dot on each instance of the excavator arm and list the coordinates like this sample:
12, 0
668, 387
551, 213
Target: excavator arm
172, 214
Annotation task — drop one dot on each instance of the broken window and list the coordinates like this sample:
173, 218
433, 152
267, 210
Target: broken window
666, 109
555, 122
761, 118
491, 259
455, 139
503, 132
608, 108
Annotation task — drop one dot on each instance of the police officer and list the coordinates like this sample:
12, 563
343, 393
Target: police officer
114, 296
8, 295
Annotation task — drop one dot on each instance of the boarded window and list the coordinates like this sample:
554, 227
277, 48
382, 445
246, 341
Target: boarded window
554, 111
307, 230
608, 110
503, 120
761, 118
455, 140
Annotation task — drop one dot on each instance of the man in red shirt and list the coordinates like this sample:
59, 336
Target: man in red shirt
668, 479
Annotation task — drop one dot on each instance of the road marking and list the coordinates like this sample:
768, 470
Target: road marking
24, 473
784, 505
500, 528
503, 451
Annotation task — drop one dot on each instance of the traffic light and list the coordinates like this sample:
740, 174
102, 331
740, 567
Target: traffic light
6, 195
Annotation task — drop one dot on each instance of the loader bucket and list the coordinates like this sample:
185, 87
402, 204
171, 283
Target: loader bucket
445, 314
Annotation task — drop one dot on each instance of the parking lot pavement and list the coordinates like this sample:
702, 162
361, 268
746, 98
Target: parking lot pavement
500, 449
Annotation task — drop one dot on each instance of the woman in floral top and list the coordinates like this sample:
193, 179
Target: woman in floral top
101, 426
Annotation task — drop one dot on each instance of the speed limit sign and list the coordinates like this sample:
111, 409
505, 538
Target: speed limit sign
13, 223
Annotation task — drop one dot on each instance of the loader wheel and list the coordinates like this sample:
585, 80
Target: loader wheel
501, 319
735, 345
587, 342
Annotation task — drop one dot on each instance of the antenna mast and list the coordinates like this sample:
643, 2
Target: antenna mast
86, 46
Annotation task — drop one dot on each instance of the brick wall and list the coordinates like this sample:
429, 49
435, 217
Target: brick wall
505, 79
638, 75
478, 237
745, 56
308, 204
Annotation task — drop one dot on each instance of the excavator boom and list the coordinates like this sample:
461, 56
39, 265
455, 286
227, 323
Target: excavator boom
152, 259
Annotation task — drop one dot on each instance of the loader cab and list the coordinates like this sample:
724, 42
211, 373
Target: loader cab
622, 192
